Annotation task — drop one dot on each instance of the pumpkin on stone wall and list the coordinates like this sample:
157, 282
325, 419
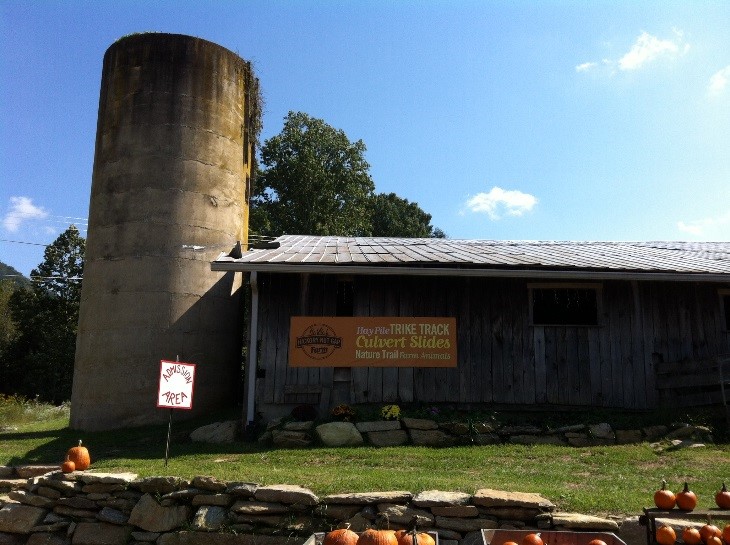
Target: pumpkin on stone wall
79, 455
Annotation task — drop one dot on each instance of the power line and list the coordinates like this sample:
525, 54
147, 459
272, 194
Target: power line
23, 242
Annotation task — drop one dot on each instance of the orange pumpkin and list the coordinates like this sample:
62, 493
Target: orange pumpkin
79, 456
663, 498
713, 540
665, 535
722, 497
377, 537
416, 538
597, 542
709, 530
691, 536
686, 499
532, 539
341, 536
726, 534
510, 543
68, 466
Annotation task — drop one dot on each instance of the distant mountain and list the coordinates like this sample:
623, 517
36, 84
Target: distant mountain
9, 273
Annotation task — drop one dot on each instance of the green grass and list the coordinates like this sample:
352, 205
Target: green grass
617, 480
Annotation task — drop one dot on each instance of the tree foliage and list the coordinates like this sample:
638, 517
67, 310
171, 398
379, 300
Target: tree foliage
315, 182
393, 216
40, 357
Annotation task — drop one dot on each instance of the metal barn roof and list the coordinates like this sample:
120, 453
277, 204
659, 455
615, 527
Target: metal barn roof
705, 261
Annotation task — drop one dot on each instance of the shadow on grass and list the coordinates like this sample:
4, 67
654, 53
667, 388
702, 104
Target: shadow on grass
147, 442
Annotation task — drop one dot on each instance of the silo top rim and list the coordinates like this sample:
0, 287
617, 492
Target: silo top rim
160, 36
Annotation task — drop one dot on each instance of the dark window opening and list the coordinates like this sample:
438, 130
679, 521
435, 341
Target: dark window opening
726, 306
564, 306
345, 298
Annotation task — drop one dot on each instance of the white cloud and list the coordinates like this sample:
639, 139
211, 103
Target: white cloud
705, 227
646, 49
719, 81
22, 209
500, 202
585, 66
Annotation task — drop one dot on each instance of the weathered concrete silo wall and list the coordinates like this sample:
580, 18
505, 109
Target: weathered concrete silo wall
171, 172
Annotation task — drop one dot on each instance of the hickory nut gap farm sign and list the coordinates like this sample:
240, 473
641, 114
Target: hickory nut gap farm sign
323, 341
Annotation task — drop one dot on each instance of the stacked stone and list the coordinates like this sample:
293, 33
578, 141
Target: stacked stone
87, 508
429, 433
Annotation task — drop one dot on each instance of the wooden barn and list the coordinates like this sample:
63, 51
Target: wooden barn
490, 323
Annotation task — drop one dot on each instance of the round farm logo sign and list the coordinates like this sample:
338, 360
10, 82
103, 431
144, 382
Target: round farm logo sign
319, 341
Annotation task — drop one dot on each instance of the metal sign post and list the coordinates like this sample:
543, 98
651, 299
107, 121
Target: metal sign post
175, 391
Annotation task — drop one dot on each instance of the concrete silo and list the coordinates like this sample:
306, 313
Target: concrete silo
170, 183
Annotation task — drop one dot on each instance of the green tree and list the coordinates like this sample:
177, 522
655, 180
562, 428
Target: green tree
314, 182
7, 325
40, 357
393, 216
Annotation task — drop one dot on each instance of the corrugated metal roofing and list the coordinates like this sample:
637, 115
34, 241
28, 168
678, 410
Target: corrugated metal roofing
294, 251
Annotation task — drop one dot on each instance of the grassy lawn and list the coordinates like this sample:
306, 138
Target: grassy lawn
600, 480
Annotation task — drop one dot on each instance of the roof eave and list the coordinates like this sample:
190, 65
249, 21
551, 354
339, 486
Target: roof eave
228, 264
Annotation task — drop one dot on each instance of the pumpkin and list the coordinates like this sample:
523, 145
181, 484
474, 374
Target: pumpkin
709, 530
665, 535
663, 498
597, 542
510, 543
416, 538
377, 537
341, 536
532, 539
691, 536
713, 540
686, 499
79, 456
722, 497
68, 466
726, 534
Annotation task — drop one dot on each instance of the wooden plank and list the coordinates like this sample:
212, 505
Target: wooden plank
388, 306
642, 296
284, 374
296, 389
551, 365
507, 345
442, 385
585, 396
628, 369
485, 343
360, 375
615, 320
572, 365
561, 357
528, 351
264, 388
594, 359
475, 358
516, 351
497, 337
406, 384
538, 335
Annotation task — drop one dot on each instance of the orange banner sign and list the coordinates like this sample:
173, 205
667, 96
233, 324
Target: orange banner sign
324, 341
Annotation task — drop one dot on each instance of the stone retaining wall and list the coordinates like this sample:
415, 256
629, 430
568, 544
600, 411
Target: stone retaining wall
424, 432
40, 505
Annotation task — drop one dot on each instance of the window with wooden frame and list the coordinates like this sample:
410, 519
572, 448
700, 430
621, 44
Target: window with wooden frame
564, 304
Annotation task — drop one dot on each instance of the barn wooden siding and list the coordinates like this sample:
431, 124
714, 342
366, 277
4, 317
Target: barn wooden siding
503, 359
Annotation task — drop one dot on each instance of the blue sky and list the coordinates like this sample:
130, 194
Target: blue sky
544, 120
